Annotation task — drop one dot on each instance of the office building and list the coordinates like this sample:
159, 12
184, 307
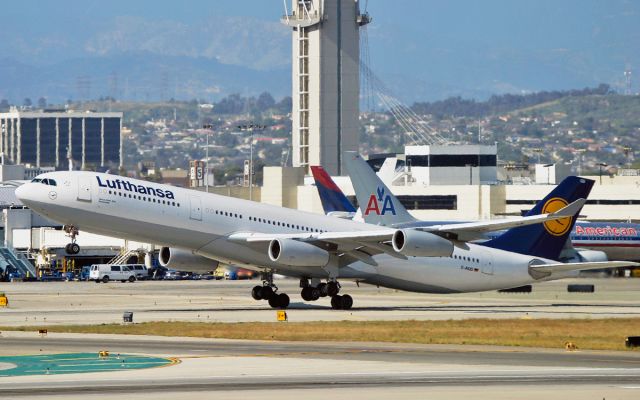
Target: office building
49, 138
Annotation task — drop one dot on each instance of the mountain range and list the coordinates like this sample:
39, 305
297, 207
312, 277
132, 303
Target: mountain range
420, 49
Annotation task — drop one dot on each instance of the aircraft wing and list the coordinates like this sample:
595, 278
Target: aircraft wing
545, 270
474, 230
376, 235
366, 243
360, 245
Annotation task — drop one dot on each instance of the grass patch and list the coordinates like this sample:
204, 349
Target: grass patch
597, 334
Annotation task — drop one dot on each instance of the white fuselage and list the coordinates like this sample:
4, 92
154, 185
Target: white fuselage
202, 222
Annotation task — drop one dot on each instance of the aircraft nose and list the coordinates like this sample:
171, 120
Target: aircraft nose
22, 192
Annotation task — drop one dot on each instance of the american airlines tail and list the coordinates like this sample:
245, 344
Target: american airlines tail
548, 239
379, 207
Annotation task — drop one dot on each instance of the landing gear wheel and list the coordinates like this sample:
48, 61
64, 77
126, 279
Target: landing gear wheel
132, 279
336, 302
267, 293
75, 248
347, 302
72, 232
322, 288
72, 248
256, 292
333, 288
279, 301
310, 293
283, 300
105, 279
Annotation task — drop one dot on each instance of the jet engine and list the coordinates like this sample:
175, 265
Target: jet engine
185, 260
297, 254
414, 243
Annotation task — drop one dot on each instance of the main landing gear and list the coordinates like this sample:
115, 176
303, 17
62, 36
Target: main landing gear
331, 289
72, 232
268, 291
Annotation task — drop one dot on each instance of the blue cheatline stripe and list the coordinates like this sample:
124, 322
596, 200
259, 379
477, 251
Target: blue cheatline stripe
74, 363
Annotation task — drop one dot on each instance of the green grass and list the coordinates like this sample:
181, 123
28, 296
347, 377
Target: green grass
598, 334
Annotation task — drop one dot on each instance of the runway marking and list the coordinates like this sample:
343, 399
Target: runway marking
52, 364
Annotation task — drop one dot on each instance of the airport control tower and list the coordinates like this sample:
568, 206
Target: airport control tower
326, 80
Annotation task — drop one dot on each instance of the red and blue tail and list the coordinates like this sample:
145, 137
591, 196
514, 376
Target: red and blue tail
547, 239
331, 196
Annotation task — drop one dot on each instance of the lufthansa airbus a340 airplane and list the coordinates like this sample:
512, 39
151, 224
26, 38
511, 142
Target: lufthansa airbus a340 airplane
309, 246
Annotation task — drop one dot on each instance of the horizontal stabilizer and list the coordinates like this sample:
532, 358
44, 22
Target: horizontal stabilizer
545, 270
474, 230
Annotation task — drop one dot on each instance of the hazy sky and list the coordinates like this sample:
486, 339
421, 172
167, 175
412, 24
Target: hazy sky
424, 48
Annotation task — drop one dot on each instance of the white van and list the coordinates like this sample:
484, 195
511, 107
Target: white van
106, 272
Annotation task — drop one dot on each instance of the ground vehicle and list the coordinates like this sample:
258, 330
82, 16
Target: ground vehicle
173, 275
141, 270
105, 272
84, 274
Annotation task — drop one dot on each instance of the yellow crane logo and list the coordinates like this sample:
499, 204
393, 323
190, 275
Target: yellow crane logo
560, 226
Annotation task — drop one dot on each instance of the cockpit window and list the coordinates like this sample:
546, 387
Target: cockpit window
45, 181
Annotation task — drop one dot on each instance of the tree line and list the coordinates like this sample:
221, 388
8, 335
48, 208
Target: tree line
498, 104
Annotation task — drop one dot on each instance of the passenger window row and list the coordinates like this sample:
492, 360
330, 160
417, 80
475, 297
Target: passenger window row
286, 225
228, 214
270, 222
465, 258
144, 198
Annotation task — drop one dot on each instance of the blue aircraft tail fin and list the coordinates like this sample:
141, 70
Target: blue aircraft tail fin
547, 239
331, 196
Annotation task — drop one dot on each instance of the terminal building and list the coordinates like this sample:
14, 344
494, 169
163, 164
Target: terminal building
49, 138
613, 197
446, 165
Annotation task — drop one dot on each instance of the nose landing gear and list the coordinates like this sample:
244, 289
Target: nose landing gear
72, 232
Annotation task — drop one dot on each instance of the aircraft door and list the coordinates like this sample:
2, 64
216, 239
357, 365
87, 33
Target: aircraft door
196, 208
84, 188
486, 263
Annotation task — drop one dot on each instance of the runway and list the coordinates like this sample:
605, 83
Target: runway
209, 365
232, 369
36, 304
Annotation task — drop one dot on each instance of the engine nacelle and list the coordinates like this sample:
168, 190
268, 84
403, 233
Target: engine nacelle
297, 254
185, 260
414, 243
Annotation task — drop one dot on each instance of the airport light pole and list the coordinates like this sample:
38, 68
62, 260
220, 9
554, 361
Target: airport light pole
547, 166
538, 150
208, 127
600, 165
251, 128
627, 151
580, 152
